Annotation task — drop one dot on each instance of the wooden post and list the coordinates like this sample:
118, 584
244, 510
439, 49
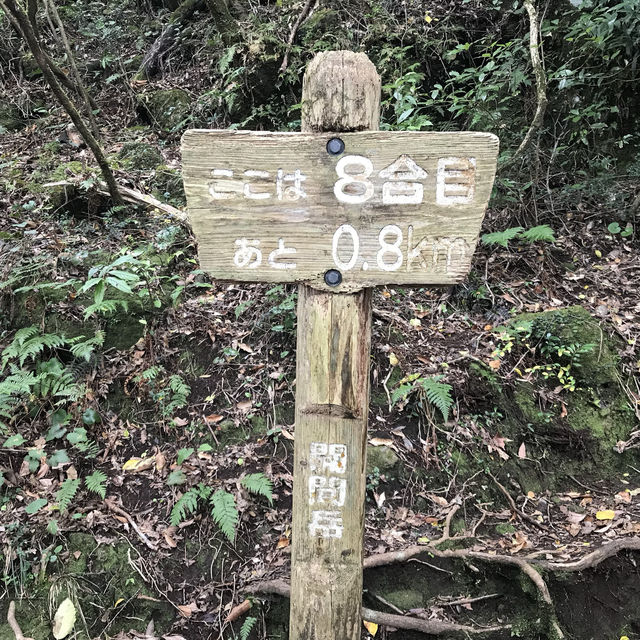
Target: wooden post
341, 92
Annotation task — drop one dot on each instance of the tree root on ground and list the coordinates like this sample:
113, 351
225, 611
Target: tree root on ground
434, 627
15, 627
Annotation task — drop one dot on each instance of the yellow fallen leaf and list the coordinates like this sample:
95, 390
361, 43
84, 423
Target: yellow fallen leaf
427, 19
393, 359
607, 514
135, 465
64, 620
117, 602
371, 627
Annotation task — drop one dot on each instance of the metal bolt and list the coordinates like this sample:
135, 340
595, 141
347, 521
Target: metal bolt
333, 277
335, 146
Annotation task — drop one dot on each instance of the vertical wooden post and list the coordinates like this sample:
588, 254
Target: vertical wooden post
341, 92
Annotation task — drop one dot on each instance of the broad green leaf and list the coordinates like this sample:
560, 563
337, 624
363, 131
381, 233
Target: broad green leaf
35, 506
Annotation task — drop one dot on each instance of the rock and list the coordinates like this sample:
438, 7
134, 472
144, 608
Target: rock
405, 599
166, 109
10, 118
576, 326
168, 186
383, 458
141, 155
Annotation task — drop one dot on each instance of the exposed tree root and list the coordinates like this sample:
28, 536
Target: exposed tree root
434, 627
15, 627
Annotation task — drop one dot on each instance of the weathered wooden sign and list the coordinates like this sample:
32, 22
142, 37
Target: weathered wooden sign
338, 213
372, 208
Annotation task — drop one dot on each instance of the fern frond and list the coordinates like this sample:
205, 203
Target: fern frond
259, 484
224, 513
67, 492
37, 344
400, 393
541, 233
185, 505
179, 386
438, 394
97, 483
247, 626
83, 350
151, 373
501, 237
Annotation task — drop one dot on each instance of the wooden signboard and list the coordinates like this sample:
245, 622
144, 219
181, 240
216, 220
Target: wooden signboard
377, 207
338, 213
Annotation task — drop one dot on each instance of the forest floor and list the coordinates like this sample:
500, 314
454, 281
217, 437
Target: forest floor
498, 488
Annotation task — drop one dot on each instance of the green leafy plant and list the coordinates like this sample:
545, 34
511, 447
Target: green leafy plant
34, 372
540, 233
435, 391
247, 627
225, 513
615, 228
561, 358
170, 393
127, 278
67, 492
223, 505
259, 484
97, 483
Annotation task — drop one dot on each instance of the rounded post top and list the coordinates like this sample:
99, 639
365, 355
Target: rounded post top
340, 92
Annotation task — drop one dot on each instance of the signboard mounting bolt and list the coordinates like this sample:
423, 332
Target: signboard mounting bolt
335, 146
333, 277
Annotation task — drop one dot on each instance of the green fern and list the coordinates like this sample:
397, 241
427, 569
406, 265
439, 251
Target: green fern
26, 344
186, 504
67, 492
150, 374
541, 233
438, 394
224, 513
501, 237
83, 350
180, 391
259, 484
97, 483
247, 626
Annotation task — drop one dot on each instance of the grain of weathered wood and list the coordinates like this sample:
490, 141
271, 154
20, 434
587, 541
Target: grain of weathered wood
425, 192
332, 401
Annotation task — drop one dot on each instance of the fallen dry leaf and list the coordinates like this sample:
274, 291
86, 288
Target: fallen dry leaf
239, 610
187, 610
136, 465
371, 627
382, 442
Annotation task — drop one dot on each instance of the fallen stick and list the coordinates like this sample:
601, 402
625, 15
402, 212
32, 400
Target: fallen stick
121, 512
133, 196
137, 197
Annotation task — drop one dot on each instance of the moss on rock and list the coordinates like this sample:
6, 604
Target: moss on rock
10, 118
383, 458
166, 108
141, 155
